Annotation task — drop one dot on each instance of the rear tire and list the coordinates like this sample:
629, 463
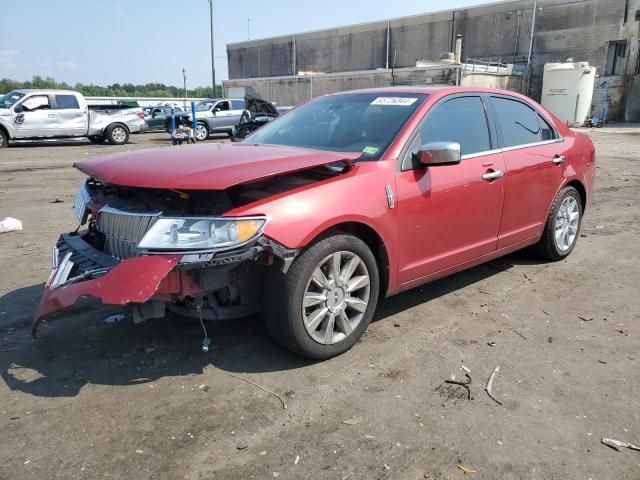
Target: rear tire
319, 319
117, 134
562, 229
97, 138
4, 138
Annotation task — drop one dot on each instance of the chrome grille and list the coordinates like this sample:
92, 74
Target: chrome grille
80, 204
123, 230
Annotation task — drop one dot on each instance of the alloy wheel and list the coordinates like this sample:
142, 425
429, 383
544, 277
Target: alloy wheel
336, 297
119, 134
201, 132
566, 224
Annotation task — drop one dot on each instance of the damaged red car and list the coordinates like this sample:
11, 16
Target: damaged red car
317, 215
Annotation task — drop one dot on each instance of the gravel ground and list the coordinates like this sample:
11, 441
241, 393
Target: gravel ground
94, 400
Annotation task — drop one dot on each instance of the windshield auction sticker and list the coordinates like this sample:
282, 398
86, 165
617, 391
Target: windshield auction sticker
399, 101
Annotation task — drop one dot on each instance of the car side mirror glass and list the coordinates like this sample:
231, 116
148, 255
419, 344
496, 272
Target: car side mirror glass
438, 153
18, 109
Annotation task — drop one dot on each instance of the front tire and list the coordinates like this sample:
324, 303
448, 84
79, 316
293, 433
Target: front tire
4, 138
202, 132
326, 300
562, 230
117, 134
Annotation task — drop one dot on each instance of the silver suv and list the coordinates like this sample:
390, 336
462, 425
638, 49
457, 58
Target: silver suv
217, 115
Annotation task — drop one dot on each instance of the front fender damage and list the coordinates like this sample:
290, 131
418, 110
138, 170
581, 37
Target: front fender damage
135, 280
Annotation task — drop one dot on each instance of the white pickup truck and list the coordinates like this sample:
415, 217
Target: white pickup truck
45, 114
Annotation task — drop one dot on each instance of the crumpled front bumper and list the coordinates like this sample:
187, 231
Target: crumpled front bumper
134, 280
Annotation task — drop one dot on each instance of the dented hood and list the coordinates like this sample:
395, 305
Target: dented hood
211, 166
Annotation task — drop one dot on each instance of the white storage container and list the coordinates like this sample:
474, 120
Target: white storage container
567, 90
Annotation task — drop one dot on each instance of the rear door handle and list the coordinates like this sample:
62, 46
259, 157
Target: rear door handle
558, 159
493, 175
52, 115
80, 114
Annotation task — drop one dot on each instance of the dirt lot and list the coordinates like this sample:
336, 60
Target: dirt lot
94, 400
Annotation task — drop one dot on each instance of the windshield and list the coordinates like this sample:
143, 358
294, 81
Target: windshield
356, 122
204, 106
6, 101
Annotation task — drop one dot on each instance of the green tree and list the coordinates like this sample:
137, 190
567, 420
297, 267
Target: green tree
114, 90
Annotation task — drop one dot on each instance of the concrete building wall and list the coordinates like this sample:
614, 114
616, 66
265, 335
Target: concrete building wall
581, 29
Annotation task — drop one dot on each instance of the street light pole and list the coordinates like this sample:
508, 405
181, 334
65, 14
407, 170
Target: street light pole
213, 65
533, 28
184, 82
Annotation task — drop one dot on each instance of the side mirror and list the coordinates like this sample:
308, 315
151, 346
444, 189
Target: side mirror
217, 109
18, 108
438, 153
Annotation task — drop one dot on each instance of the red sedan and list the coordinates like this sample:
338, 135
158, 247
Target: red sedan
343, 200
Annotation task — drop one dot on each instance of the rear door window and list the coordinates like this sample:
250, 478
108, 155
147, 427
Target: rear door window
518, 122
66, 102
461, 120
237, 104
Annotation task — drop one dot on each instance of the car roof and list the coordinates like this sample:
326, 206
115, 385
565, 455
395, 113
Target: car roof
48, 90
440, 90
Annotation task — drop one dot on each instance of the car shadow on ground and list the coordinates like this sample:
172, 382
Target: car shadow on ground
79, 348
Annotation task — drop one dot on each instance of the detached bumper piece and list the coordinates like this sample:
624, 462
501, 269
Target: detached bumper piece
83, 275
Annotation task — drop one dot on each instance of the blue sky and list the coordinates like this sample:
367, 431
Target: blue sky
141, 41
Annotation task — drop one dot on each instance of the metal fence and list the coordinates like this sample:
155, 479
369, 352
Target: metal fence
143, 101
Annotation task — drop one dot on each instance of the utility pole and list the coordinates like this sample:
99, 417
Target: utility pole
533, 27
213, 64
184, 82
248, 29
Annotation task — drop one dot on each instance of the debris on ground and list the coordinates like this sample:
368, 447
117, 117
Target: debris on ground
619, 445
491, 343
550, 340
585, 319
467, 469
489, 387
56, 200
517, 333
10, 225
284, 405
351, 421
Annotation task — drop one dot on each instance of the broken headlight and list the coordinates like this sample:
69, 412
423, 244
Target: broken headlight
178, 234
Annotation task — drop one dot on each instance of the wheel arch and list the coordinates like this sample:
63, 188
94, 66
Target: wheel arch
582, 191
115, 124
371, 237
6, 131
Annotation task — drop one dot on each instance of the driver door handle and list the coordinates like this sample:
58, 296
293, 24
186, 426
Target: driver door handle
493, 175
52, 115
558, 159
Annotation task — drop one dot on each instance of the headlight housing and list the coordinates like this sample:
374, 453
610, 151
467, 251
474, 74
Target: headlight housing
198, 234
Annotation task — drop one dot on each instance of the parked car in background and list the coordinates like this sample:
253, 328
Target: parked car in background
156, 117
256, 113
315, 216
32, 114
215, 115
